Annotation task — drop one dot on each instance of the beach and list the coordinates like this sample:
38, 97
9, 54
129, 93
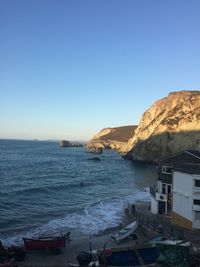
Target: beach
70, 252
80, 243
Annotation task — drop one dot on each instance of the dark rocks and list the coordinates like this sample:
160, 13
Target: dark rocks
65, 143
95, 158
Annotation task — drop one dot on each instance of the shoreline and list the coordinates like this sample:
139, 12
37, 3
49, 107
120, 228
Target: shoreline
81, 242
70, 252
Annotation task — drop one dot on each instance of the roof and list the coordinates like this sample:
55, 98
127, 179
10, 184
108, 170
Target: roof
194, 169
195, 153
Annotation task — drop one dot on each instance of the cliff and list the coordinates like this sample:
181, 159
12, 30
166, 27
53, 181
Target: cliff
112, 138
169, 126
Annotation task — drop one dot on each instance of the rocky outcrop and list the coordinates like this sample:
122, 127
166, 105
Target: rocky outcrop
112, 138
65, 143
171, 125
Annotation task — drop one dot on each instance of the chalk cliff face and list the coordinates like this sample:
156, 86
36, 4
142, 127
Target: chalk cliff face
113, 138
169, 126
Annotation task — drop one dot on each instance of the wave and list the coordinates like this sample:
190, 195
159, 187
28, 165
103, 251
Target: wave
44, 189
94, 219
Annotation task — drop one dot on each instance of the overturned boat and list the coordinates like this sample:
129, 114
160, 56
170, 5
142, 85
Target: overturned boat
125, 232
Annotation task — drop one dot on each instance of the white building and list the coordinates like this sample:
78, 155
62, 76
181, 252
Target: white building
186, 197
177, 191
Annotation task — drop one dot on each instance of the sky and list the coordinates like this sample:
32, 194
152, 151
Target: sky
69, 68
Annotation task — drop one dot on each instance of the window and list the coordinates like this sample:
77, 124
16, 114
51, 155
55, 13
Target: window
197, 215
197, 183
167, 169
164, 189
169, 189
196, 201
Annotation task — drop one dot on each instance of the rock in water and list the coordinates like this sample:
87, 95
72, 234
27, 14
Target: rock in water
95, 158
65, 143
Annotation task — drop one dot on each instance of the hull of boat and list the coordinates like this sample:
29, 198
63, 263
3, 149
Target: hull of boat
165, 254
48, 243
126, 232
131, 256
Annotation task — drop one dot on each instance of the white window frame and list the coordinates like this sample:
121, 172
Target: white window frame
165, 169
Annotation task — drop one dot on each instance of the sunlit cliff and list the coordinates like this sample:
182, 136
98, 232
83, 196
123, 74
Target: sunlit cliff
169, 126
113, 138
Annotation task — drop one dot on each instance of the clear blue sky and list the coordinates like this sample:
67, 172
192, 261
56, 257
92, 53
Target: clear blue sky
69, 68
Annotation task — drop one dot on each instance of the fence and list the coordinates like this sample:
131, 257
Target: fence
155, 223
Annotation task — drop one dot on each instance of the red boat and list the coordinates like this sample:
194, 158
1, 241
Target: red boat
45, 243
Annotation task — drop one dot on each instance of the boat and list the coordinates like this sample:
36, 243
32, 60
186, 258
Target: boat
174, 243
125, 232
166, 253
121, 256
155, 239
129, 256
45, 243
171, 254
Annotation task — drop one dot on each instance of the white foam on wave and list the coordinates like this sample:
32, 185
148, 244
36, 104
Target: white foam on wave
94, 219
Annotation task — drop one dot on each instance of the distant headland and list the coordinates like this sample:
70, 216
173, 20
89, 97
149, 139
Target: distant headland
170, 126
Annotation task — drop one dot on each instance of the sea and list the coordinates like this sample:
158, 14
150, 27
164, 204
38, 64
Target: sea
47, 190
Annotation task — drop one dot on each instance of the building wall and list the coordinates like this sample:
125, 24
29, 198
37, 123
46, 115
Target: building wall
154, 205
182, 198
180, 220
196, 208
159, 186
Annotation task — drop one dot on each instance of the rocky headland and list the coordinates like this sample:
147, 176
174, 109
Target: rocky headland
171, 125
112, 138
65, 143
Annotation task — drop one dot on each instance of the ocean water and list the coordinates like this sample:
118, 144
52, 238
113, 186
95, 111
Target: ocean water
41, 192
